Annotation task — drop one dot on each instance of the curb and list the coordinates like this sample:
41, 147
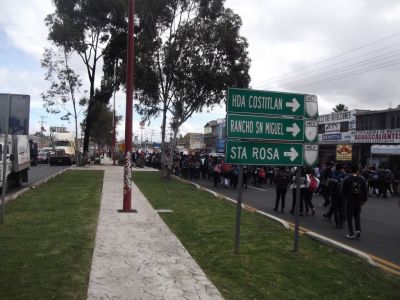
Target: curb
34, 185
340, 246
311, 234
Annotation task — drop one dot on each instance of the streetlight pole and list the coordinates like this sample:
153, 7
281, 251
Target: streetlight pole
128, 117
114, 133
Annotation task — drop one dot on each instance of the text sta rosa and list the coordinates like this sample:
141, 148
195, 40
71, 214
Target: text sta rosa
263, 153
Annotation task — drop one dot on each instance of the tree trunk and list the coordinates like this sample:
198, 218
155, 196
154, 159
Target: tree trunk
89, 118
77, 156
171, 160
163, 146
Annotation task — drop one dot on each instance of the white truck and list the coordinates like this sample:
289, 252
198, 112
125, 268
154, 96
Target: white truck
64, 148
18, 160
17, 145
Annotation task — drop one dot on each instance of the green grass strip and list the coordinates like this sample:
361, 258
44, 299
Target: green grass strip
47, 241
266, 267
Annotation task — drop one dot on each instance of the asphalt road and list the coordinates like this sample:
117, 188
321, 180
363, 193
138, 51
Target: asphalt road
380, 219
37, 173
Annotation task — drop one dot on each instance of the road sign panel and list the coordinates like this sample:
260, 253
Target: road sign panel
260, 127
273, 154
273, 103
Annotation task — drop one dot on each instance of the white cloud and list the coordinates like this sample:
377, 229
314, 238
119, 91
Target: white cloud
283, 36
23, 22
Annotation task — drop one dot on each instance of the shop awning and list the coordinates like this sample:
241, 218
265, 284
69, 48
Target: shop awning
385, 149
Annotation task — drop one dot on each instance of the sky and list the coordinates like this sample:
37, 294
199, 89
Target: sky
342, 51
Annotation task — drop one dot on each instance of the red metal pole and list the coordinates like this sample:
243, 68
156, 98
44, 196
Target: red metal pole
114, 123
128, 117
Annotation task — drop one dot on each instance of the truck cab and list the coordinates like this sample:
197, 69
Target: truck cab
64, 148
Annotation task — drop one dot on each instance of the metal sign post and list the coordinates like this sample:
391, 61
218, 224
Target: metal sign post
297, 211
271, 129
4, 175
238, 211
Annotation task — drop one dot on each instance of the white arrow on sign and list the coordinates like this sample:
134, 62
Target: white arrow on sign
294, 104
295, 129
292, 154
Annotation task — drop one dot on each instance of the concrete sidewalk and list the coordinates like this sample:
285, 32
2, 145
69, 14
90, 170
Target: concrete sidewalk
136, 256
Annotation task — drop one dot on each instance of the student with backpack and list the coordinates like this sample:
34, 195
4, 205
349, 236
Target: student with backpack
282, 180
337, 208
311, 188
356, 192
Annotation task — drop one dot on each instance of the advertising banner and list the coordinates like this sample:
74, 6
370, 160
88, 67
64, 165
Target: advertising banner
337, 127
344, 152
382, 136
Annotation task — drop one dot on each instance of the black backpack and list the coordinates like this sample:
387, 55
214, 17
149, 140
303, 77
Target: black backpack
333, 185
356, 188
282, 180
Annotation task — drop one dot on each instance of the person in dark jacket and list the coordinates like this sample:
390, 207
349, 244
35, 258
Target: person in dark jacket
282, 180
356, 192
304, 182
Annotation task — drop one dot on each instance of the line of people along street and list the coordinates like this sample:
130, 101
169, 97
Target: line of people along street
344, 188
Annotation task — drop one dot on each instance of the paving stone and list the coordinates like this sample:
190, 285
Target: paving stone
136, 255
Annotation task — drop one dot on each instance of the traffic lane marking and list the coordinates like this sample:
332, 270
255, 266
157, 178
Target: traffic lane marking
256, 188
385, 262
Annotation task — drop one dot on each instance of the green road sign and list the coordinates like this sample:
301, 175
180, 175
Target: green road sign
259, 127
273, 154
272, 103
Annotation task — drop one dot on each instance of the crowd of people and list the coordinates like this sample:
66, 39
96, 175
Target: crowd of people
343, 187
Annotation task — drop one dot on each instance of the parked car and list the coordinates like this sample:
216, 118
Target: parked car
43, 157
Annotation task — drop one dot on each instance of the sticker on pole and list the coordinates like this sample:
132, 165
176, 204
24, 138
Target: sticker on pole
310, 154
311, 103
311, 130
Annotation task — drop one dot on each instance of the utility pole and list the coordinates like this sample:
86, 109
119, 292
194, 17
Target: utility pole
114, 123
41, 130
128, 118
151, 136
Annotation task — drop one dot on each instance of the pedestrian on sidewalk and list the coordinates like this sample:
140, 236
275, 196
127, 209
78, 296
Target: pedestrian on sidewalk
356, 192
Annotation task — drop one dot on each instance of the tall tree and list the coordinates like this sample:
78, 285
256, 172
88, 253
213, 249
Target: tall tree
85, 27
188, 53
340, 108
64, 86
102, 127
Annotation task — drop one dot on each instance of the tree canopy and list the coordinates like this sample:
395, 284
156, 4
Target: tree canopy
340, 108
187, 54
85, 28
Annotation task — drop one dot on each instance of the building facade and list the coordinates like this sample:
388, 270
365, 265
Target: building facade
362, 130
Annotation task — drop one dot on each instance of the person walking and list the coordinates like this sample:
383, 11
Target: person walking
311, 188
303, 183
282, 180
325, 174
338, 204
356, 192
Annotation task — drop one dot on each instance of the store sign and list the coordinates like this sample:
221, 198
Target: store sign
383, 136
337, 127
344, 152
331, 137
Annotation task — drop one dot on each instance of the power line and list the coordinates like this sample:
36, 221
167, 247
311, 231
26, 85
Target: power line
328, 59
361, 62
380, 66
345, 68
